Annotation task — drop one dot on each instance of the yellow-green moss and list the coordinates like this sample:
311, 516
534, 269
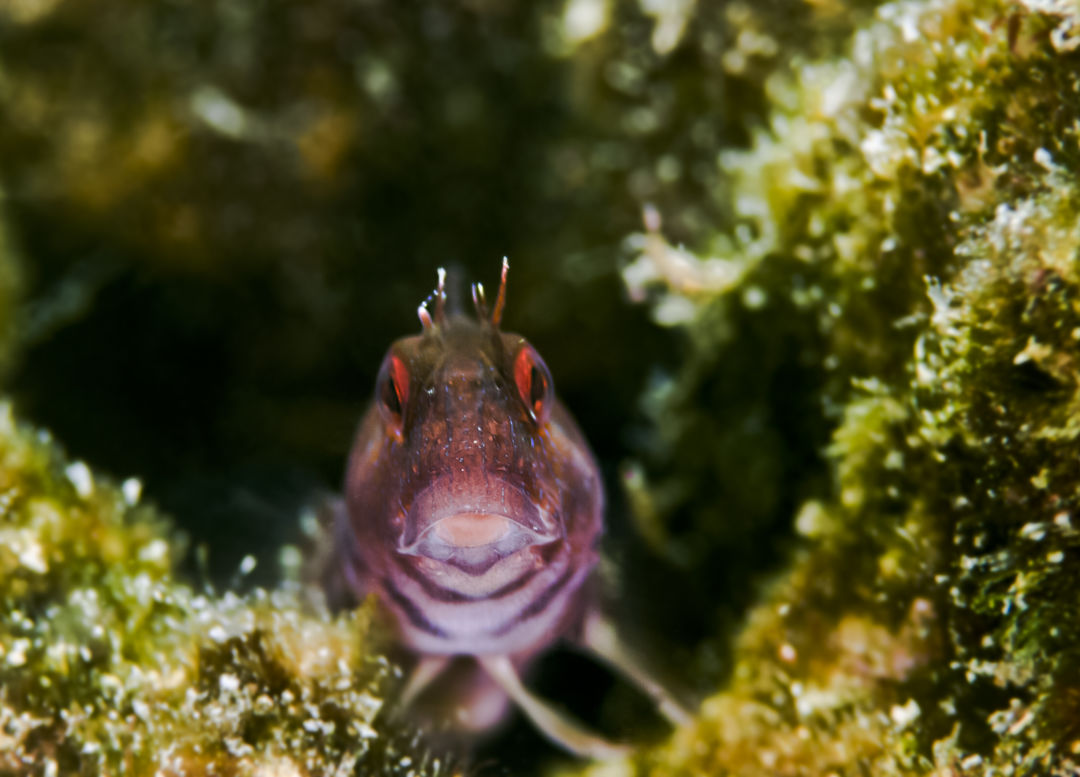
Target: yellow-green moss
914, 205
109, 665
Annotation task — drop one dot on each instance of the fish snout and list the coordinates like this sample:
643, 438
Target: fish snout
473, 525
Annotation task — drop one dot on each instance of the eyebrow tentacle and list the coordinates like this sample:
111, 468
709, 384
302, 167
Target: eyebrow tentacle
500, 298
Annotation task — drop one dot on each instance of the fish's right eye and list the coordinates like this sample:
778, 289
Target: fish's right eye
533, 383
393, 392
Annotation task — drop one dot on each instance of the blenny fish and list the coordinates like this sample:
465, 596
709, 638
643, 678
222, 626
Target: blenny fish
473, 508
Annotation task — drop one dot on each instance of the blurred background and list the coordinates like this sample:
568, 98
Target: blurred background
218, 214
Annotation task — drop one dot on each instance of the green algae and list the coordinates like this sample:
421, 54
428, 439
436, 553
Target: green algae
912, 207
109, 665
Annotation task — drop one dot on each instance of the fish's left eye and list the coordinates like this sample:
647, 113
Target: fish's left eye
392, 391
533, 382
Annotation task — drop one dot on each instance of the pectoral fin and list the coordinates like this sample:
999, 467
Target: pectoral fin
600, 638
426, 670
558, 727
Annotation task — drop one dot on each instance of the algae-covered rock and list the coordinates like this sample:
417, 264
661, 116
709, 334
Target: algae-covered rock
909, 221
109, 665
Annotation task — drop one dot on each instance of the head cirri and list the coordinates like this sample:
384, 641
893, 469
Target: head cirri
473, 502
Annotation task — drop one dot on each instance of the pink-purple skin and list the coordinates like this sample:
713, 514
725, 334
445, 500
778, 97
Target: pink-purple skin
474, 505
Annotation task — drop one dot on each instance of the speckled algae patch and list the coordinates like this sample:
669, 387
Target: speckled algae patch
915, 205
109, 666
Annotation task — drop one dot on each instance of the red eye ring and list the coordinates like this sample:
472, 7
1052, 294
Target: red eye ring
533, 381
392, 392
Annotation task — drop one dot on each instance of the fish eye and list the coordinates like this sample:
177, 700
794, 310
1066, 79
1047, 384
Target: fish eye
533, 382
393, 391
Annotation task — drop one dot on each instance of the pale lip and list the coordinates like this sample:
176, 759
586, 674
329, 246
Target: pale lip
473, 523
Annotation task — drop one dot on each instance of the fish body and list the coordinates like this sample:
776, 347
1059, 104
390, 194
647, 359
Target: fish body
473, 508
473, 502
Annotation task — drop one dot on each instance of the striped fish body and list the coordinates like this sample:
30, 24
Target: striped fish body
473, 502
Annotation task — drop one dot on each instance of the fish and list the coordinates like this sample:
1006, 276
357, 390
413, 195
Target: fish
473, 508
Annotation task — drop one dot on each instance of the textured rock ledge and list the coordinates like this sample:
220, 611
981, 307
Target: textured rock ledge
109, 665
910, 218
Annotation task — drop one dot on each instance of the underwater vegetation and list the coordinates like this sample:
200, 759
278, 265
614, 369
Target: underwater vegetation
109, 665
857, 455
914, 206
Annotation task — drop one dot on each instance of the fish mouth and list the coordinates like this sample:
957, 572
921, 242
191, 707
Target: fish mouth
473, 525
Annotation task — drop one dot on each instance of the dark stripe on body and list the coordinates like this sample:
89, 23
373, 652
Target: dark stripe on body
538, 605
447, 595
416, 618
